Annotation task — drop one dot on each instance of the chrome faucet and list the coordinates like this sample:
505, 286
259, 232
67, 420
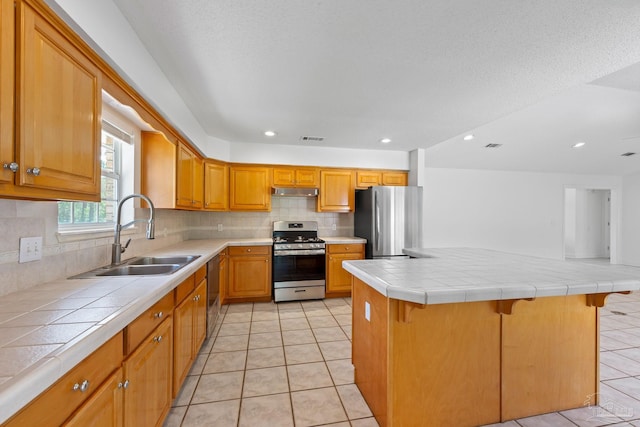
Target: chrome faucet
116, 249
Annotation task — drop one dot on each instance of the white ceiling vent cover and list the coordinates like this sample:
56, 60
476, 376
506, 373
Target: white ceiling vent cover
628, 154
312, 138
493, 145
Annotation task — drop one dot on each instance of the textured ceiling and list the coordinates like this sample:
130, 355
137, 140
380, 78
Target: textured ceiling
419, 72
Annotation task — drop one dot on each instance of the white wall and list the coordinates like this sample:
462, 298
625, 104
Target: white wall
520, 212
630, 217
108, 32
318, 156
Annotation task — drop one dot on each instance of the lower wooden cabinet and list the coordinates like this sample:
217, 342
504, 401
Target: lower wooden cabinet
338, 279
104, 408
73, 390
109, 389
249, 274
148, 375
189, 331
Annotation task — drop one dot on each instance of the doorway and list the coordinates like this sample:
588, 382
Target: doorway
587, 225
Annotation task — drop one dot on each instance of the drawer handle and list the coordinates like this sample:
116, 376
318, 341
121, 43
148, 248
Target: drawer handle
300, 290
157, 339
82, 387
158, 315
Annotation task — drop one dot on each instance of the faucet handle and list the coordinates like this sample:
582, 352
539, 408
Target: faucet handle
126, 245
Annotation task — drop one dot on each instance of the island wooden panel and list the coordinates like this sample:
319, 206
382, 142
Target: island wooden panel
550, 356
444, 367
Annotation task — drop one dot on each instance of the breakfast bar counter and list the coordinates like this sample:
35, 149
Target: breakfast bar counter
469, 337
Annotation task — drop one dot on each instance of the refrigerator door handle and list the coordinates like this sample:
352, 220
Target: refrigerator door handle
376, 211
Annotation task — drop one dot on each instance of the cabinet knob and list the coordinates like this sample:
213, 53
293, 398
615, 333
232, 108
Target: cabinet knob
346, 248
13, 166
33, 171
126, 384
157, 339
82, 387
158, 315
249, 250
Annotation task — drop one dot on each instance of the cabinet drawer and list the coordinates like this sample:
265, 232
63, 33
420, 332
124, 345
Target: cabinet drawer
200, 274
345, 249
147, 322
58, 402
185, 288
249, 250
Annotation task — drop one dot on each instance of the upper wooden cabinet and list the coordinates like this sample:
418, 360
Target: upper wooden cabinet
216, 186
158, 169
369, 178
7, 65
190, 178
337, 191
172, 174
249, 188
296, 177
55, 155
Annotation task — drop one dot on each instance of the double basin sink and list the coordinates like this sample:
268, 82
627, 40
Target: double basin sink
142, 266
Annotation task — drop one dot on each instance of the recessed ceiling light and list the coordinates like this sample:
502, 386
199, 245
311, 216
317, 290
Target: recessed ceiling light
385, 140
578, 145
468, 137
269, 133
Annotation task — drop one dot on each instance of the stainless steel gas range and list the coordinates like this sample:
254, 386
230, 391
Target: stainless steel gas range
298, 261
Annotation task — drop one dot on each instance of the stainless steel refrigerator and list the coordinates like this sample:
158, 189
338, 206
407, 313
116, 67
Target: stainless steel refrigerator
390, 218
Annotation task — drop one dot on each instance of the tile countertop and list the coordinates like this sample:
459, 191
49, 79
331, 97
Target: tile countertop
448, 275
48, 329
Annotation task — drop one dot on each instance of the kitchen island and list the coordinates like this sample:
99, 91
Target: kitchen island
470, 336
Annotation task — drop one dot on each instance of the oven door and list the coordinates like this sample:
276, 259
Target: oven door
290, 267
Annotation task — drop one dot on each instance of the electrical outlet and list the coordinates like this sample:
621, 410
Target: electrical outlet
367, 311
220, 227
333, 226
30, 249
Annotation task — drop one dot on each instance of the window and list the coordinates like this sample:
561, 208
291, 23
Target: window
100, 214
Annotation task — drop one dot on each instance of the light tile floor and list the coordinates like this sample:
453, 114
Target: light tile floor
288, 364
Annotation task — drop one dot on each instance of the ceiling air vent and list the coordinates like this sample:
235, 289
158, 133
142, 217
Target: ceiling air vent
312, 138
627, 154
493, 145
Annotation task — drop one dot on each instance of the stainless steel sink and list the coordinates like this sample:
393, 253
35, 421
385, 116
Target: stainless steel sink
141, 270
141, 266
152, 260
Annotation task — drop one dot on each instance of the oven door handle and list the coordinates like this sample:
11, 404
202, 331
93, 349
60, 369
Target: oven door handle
299, 252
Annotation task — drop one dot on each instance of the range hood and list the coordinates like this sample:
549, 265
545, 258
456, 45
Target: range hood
294, 192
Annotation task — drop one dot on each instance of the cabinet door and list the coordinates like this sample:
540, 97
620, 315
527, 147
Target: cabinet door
307, 178
339, 279
104, 408
184, 177
394, 178
199, 317
250, 188
223, 276
147, 398
284, 176
216, 186
337, 191
56, 151
158, 169
182, 341
198, 183
249, 276
6, 89
366, 179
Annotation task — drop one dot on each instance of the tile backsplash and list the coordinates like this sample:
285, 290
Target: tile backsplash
67, 254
